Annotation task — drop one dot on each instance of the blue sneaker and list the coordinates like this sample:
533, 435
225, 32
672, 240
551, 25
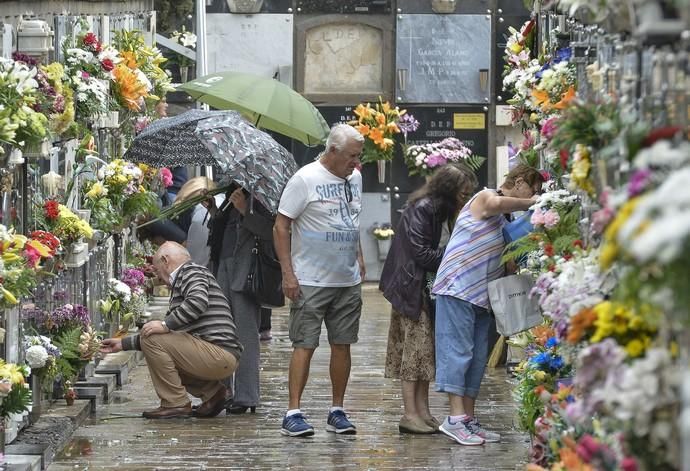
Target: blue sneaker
338, 423
296, 426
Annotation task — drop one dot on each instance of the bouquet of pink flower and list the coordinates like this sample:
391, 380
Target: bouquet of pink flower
425, 158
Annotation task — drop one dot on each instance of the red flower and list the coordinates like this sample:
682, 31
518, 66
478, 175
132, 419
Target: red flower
660, 134
90, 39
629, 464
548, 250
577, 243
47, 239
528, 28
564, 155
107, 64
51, 210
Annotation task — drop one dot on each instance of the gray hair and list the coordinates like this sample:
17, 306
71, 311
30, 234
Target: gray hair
339, 136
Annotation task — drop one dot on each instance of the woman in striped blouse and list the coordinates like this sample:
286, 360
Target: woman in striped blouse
472, 259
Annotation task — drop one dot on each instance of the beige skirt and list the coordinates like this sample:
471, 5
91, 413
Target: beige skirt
410, 353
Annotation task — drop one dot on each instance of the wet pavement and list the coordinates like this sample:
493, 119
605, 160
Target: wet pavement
118, 437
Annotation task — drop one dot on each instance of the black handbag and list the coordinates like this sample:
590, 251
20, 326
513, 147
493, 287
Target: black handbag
265, 279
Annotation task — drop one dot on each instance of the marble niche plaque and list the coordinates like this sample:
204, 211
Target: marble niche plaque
254, 44
443, 59
343, 57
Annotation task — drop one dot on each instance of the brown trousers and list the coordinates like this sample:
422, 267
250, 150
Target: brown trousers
179, 363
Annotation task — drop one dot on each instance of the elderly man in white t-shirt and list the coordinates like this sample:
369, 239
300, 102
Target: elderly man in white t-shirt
316, 237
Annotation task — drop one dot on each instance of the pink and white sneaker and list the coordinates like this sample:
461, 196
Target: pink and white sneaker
460, 433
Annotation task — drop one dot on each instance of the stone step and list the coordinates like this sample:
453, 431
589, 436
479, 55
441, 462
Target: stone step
23, 463
22, 450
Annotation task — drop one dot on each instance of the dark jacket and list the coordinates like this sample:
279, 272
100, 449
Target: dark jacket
414, 252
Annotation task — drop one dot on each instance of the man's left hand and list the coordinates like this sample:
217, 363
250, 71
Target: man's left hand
154, 327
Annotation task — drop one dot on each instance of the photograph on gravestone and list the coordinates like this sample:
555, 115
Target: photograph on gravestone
461, 7
344, 6
343, 58
501, 36
253, 44
443, 58
334, 114
267, 6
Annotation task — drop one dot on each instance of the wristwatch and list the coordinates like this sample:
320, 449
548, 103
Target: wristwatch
164, 325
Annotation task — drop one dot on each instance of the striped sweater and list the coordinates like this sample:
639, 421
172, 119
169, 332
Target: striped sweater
198, 307
472, 258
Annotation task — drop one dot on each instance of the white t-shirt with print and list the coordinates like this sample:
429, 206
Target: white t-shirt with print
325, 227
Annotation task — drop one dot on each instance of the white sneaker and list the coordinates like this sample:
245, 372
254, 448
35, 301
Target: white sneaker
460, 433
476, 428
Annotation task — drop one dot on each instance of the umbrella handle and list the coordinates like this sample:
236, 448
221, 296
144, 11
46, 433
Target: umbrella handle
251, 201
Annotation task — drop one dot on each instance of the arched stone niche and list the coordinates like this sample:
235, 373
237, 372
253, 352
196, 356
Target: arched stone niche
344, 58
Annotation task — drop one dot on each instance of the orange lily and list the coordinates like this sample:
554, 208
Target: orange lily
363, 129
567, 97
364, 112
541, 98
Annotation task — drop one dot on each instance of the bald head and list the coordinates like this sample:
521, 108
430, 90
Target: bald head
168, 258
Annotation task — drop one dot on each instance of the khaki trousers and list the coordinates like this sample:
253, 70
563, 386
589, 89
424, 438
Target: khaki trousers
179, 363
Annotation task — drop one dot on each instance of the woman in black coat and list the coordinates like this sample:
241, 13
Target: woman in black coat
414, 256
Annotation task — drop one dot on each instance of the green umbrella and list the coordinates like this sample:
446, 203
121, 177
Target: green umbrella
267, 103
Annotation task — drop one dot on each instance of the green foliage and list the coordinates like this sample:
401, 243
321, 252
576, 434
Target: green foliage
474, 162
561, 237
70, 361
16, 401
103, 215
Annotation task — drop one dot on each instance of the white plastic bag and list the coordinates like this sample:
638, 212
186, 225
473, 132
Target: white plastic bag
510, 301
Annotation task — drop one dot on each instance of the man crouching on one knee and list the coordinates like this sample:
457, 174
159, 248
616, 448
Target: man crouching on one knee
195, 347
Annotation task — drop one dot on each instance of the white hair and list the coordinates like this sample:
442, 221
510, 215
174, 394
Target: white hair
339, 136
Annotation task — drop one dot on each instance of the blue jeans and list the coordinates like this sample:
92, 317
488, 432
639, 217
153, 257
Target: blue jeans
462, 346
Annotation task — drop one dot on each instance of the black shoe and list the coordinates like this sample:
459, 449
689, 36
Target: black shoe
240, 409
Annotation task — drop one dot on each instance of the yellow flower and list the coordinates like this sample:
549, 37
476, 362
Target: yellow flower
40, 248
515, 48
635, 348
539, 375
608, 254
9, 297
11, 372
97, 190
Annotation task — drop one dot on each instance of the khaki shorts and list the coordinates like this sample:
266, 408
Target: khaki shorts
339, 308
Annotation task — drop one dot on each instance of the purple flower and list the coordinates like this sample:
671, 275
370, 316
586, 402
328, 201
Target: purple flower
28, 60
68, 316
60, 295
638, 182
435, 160
133, 277
548, 129
408, 124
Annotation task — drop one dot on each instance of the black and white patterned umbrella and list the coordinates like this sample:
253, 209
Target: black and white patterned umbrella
224, 139
172, 142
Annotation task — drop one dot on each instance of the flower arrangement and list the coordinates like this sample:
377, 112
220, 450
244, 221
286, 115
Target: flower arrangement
19, 263
123, 301
20, 123
119, 194
88, 66
139, 81
383, 232
424, 159
15, 395
41, 356
62, 318
378, 125
64, 224
556, 233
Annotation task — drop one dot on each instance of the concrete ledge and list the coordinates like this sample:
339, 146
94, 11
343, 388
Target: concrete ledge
23, 463
39, 450
77, 413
